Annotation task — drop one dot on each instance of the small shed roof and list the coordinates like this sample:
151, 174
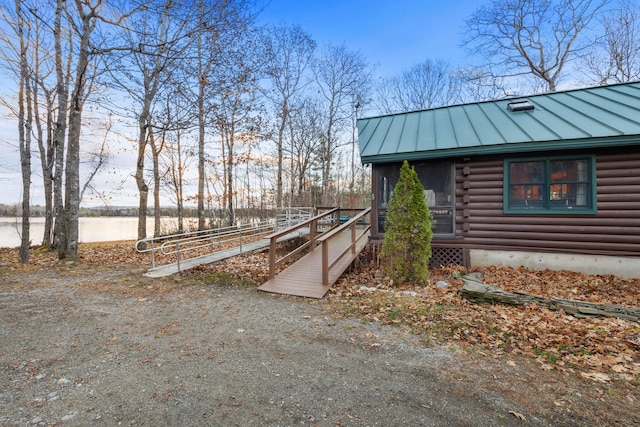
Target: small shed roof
580, 118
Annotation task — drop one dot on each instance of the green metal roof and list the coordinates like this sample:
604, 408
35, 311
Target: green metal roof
582, 118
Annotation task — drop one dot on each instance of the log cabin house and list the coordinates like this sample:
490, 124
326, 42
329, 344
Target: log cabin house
544, 181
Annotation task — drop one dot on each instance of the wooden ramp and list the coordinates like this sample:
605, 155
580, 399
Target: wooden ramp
304, 277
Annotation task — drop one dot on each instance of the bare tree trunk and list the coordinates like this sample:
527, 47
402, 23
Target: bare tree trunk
143, 188
24, 135
202, 82
155, 154
326, 165
47, 158
179, 193
59, 133
352, 181
280, 144
229, 168
201, 158
26, 178
72, 164
45, 140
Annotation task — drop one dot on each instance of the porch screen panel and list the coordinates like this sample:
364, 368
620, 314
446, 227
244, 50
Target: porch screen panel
437, 179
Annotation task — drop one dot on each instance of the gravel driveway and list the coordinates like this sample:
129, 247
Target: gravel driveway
232, 356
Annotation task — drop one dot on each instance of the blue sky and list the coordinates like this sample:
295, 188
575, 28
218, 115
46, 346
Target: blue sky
393, 34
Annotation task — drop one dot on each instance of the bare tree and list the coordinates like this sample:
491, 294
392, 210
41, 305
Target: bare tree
531, 37
341, 76
44, 131
220, 25
98, 159
75, 77
288, 54
25, 121
236, 120
88, 15
426, 85
616, 56
477, 85
306, 134
156, 42
22, 42
178, 157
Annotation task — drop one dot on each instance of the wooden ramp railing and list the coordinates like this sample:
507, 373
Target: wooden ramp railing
330, 253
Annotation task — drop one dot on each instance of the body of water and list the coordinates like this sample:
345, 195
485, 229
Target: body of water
91, 229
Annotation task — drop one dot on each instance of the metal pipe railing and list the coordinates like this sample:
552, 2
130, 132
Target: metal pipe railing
179, 243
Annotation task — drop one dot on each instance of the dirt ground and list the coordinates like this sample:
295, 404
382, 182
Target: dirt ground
94, 343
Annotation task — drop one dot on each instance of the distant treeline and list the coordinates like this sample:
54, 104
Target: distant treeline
38, 211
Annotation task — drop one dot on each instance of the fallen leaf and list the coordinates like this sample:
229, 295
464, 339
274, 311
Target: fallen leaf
518, 415
596, 376
619, 368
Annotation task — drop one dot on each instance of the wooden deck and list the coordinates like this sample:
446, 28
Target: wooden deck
304, 277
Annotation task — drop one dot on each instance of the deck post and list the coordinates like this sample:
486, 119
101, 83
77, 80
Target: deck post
313, 229
353, 238
272, 258
178, 255
153, 258
325, 263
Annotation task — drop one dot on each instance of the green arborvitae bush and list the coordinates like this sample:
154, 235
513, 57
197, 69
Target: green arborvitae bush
406, 248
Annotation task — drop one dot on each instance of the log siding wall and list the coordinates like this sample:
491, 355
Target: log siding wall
614, 230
